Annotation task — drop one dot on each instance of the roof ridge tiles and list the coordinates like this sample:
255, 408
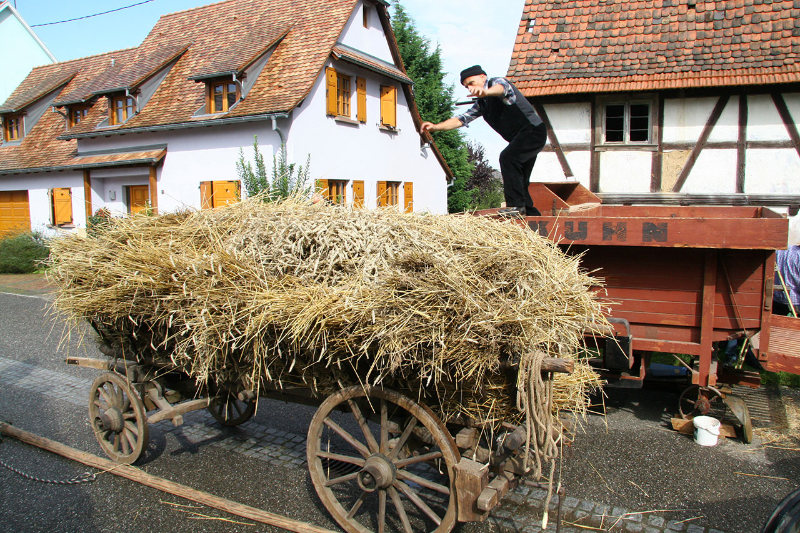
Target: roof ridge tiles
87, 57
183, 11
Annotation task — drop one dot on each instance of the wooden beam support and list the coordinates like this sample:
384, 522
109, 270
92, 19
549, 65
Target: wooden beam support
87, 193
153, 190
701, 143
134, 474
707, 320
551, 136
594, 158
788, 121
741, 144
657, 163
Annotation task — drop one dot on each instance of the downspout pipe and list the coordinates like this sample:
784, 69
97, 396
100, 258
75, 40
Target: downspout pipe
280, 134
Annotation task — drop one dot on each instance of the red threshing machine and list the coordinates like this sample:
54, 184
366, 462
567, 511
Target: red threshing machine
681, 278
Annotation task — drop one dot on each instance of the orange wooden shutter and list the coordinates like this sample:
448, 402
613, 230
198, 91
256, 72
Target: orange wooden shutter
388, 106
408, 196
330, 77
224, 193
205, 195
361, 89
62, 206
323, 189
382, 194
358, 193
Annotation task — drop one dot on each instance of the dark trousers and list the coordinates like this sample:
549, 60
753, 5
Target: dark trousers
516, 164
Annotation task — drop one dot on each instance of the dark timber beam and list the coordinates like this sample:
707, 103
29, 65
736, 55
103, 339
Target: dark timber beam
712, 121
788, 121
551, 136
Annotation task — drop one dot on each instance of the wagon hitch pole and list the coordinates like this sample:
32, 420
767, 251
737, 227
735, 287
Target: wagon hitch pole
134, 474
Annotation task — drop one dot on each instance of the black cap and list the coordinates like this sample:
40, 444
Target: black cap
474, 70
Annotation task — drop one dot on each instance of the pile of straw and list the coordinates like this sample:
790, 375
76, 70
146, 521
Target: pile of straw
293, 294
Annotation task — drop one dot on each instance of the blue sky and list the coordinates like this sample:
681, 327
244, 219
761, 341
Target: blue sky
467, 31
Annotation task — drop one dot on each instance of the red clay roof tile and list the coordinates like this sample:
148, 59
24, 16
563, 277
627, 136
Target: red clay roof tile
672, 44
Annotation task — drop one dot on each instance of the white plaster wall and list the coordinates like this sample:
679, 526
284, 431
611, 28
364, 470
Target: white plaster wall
714, 172
572, 122
772, 172
685, 118
193, 155
763, 121
343, 151
371, 40
547, 167
625, 171
17, 60
37, 186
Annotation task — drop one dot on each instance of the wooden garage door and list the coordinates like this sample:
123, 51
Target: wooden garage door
14, 212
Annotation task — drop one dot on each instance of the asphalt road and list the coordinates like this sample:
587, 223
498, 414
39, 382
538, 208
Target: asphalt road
628, 460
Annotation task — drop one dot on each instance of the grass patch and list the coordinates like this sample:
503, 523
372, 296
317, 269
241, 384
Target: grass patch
22, 253
783, 379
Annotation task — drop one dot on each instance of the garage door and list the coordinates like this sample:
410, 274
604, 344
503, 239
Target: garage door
14, 212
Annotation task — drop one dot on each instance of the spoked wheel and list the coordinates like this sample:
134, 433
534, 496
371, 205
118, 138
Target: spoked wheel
697, 400
392, 474
231, 411
118, 418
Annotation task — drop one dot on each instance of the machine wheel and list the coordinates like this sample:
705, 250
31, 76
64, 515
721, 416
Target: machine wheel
118, 417
786, 516
231, 411
392, 474
697, 400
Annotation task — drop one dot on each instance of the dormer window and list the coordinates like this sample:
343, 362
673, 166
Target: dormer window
122, 108
222, 96
12, 128
77, 114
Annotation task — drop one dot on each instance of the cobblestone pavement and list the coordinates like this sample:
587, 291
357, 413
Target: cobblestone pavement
521, 510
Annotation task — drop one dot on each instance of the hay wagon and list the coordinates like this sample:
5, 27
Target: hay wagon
379, 460
682, 279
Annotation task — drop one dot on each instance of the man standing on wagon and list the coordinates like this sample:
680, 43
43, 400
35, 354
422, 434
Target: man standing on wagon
510, 114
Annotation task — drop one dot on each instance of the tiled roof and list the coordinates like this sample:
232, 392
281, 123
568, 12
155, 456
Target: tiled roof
580, 46
226, 37
342, 51
218, 38
39, 83
40, 148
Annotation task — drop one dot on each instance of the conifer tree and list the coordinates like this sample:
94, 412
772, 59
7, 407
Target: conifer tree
435, 102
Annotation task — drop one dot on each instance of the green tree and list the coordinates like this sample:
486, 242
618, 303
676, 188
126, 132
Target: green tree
435, 101
288, 179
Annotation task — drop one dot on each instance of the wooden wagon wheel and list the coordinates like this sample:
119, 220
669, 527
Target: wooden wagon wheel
231, 411
392, 474
118, 418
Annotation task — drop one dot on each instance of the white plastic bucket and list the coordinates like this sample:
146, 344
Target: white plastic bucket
706, 430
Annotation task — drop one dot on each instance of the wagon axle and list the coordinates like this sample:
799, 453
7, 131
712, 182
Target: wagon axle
379, 472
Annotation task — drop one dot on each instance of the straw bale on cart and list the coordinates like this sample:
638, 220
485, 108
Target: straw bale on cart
296, 295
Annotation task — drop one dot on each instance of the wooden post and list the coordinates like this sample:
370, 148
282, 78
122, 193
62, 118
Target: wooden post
153, 190
471, 478
741, 144
134, 474
657, 164
87, 194
707, 318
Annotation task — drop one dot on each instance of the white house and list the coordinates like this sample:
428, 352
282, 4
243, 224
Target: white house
22, 49
161, 125
671, 101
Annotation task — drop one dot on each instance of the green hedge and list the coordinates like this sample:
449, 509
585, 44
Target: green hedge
22, 253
